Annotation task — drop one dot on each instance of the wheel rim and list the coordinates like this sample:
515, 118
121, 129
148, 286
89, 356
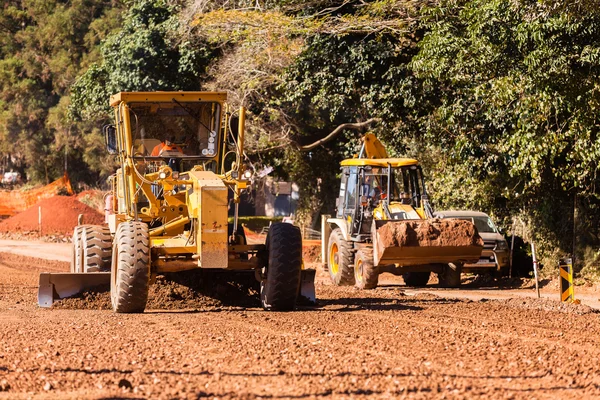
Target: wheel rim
358, 271
333, 259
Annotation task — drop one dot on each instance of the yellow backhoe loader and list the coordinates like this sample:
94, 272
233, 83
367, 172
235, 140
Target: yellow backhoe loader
384, 223
168, 208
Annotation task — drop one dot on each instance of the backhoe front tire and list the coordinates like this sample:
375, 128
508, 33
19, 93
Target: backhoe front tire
280, 284
130, 272
96, 245
366, 274
416, 279
450, 276
340, 259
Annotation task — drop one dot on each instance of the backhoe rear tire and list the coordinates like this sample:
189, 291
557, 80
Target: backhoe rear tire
340, 259
77, 256
280, 282
130, 272
366, 274
96, 245
416, 279
450, 276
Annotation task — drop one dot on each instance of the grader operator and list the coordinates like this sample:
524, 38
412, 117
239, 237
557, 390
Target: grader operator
384, 223
168, 207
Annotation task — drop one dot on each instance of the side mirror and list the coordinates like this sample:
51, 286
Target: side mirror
110, 138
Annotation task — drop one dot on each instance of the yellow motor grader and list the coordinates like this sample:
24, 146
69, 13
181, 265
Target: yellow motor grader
168, 207
384, 223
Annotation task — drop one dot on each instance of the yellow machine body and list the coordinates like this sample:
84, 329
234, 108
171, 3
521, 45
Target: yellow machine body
178, 165
401, 198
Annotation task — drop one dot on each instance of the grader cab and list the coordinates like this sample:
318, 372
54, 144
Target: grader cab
169, 204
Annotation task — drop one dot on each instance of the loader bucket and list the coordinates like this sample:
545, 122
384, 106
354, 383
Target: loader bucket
420, 242
307, 287
56, 286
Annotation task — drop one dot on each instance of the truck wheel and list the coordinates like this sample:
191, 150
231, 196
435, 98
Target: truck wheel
96, 245
130, 272
280, 282
340, 260
366, 275
416, 279
77, 259
450, 276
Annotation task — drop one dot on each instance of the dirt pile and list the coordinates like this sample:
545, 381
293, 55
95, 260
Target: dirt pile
93, 198
185, 290
548, 305
429, 233
59, 216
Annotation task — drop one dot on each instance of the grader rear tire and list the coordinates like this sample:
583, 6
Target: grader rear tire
340, 259
96, 245
366, 274
416, 279
280, 284
450, 276
130, 272
77, 258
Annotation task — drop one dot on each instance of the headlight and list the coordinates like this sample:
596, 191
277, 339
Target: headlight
501, 245
247, 174
162, 175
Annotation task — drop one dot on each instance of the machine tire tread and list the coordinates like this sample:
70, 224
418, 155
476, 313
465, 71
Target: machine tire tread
279, 291
450, 276
370, 272
345, 275
77, 259
131, 268
97, 248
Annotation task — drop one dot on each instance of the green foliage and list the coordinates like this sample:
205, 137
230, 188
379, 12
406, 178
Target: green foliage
43, 45
498, 99
145, 54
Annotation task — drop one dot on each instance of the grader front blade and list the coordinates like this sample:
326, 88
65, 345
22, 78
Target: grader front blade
58, 285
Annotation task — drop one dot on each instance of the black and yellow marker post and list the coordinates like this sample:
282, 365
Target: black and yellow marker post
565, 267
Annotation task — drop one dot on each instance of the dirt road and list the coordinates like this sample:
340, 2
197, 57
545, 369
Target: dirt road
377, 344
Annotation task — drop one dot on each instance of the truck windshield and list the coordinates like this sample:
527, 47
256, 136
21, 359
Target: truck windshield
483, 224
175, 129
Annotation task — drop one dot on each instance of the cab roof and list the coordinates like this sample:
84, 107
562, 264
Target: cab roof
379, 162
149, 97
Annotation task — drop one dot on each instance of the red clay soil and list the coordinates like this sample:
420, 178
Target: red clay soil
433, 232
59, 216
311, 254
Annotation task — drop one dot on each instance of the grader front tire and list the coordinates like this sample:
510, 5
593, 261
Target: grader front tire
96, 246
77, 257
130, 272
281, 281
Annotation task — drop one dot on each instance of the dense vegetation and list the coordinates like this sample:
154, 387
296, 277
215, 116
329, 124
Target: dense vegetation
498, 98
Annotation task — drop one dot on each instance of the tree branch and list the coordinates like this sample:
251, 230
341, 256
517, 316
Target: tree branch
337, 131
330, 136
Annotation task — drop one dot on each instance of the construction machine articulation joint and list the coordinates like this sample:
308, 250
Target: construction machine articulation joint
168, 207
